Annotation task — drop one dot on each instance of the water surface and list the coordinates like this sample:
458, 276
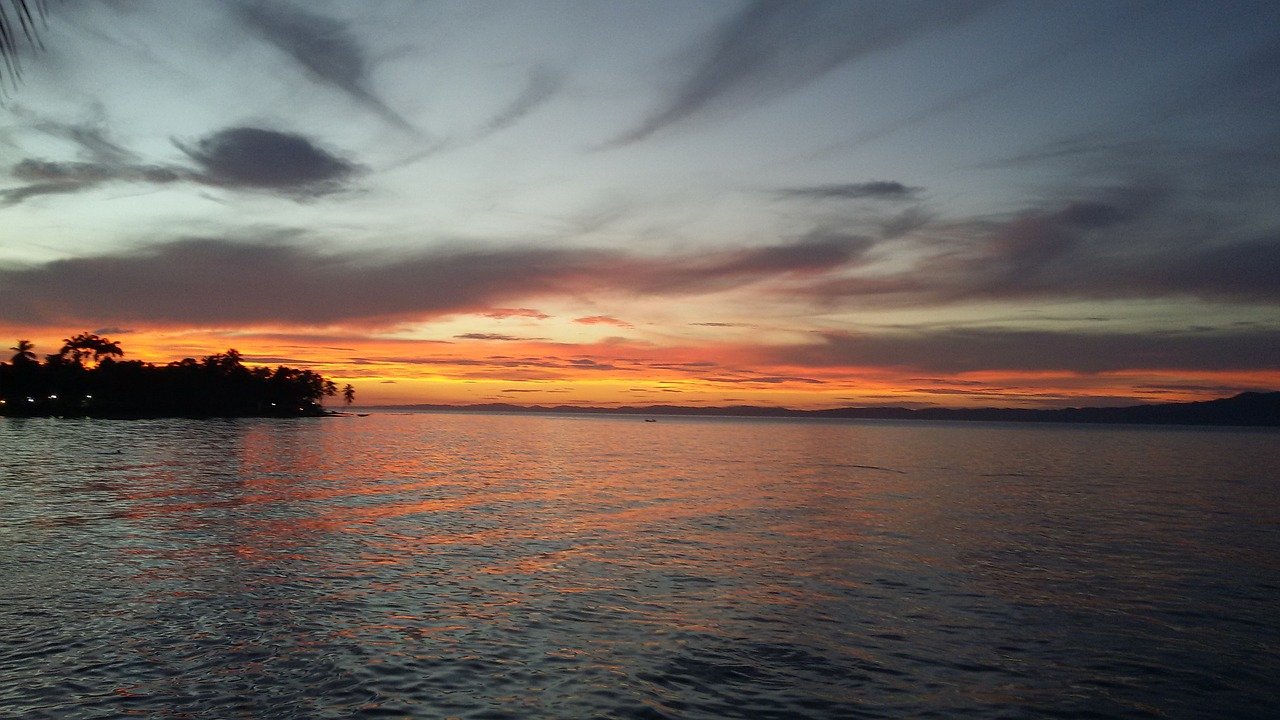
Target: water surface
491, 566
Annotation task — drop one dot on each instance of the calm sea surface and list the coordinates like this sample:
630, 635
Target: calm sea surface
490, 566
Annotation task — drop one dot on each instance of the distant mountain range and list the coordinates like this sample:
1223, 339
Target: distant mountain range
1250, 409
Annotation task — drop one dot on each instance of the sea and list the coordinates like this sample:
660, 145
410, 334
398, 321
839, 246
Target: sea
488, 566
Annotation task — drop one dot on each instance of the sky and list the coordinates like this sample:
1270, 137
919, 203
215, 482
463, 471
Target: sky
805, 204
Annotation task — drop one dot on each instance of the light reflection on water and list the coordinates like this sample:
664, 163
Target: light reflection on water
488, 566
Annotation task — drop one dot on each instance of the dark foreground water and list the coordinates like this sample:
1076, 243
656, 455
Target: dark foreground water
484, 566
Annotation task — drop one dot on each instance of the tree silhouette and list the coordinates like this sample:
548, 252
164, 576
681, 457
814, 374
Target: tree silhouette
22, 353
18, 26
89, 346
220, 385
348, 394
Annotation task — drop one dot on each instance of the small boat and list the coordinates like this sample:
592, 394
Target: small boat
650, 420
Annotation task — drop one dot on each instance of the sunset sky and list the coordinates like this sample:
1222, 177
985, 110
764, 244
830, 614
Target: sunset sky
808, 204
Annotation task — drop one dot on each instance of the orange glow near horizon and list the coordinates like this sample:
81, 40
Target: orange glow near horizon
618, 373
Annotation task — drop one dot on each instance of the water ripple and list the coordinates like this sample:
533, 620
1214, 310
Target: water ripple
538, 567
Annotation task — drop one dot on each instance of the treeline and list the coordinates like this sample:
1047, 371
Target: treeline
88, 377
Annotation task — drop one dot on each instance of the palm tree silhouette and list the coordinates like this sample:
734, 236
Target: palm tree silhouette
22, 352
89, 346
18, 26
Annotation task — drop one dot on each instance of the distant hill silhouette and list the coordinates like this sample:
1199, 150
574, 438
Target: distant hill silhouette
1250, 409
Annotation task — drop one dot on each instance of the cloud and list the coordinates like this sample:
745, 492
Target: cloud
968, 350
267, 159
602, 320
45, 177
321, 45
91, 137
103, 161
772, 48
488, 336
818, 251
218, 282
504, 313
240, 158
874, 190
210, 282
542, 85
1135, 241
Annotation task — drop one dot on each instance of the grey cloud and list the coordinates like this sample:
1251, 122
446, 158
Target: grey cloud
818, 251
542, 85
45, 177
104, 161
91, 138
219, 282
874, 190
14, 196
1093, 215
323, 46
267, 159
1129, 242
1245, 270
487, 336
771, 48
965, 350
239, 158
90, 173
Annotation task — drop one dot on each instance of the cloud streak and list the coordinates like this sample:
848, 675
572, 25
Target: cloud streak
1122, 243
214, 282
970, 350
772, 48
321, 45
874, 190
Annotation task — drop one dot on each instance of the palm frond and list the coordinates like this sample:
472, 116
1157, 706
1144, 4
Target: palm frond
20, 24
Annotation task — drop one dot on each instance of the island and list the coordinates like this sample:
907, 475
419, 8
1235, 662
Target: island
87, 377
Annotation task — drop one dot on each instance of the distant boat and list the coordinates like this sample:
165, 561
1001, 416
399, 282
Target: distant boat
650, 420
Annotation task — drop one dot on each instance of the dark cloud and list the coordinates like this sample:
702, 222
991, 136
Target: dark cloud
45, 177
103, 161
602, 320
240, 158
771, 48
219, 282
323, 46
14, 196
90, 173
967, 350
1093, 215
487, 336
818, 251
504, 313
1137, 241
760, 379
874, 190
267, 159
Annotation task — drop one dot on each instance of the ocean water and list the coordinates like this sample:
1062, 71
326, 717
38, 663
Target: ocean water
491, 566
